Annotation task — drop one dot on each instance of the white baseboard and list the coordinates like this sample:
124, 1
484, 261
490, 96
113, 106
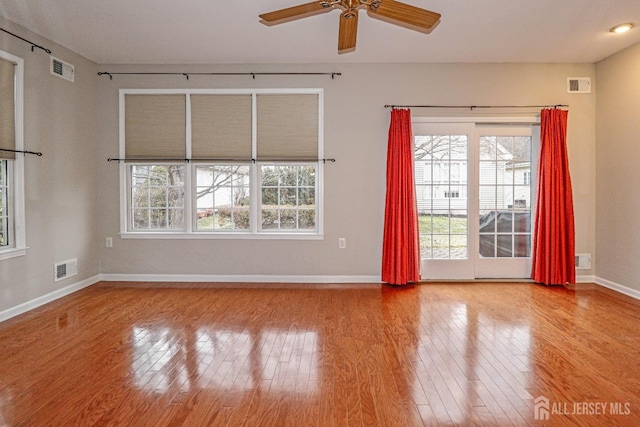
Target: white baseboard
44, 299
52, 296
236, 278
633, 293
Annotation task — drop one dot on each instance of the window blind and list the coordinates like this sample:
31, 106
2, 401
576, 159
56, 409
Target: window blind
155, 126
7, 109
221, 127
287, 126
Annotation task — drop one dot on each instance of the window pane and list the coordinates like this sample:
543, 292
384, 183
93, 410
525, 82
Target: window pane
4, 204
288, 197
505, 196
458, 246
522, 245
505, 222
157, 197
505, 246
269, 197
440, 246
487, 245
306, 196
425, 222
270, 219
140, 197
522, 222
307, 219
288, 219
222, 197
140, 218
487, 221
425, 246
522, 149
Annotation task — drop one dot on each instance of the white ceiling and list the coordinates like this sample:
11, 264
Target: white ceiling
223, 32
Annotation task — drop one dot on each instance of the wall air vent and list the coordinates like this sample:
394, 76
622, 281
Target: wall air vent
583, 261
65, 269
578, 85
62, 69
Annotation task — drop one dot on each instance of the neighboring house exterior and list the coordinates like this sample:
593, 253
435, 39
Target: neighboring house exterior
441, 185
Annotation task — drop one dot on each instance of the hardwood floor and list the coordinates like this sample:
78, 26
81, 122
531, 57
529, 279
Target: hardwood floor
324, 355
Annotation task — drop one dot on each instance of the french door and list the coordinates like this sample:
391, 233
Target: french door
475, 196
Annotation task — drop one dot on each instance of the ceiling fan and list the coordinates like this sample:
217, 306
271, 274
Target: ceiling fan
391, 11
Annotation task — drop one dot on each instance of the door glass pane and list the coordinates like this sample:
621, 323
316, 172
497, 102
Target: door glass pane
441, 165
505, 196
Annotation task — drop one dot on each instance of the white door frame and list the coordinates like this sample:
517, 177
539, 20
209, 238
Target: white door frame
473, 267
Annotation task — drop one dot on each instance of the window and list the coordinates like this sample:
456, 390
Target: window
221, 163
5, 219
157, 197
222, 194
12, 235
288, 197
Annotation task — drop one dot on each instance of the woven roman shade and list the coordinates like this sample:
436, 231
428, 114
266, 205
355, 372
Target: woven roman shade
155, 126
287, 126
221, 127
7, 109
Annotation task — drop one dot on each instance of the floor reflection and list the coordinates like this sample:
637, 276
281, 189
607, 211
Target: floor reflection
434, 354
224, 359
469, 360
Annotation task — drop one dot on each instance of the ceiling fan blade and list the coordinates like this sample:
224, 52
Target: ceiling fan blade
402, 13
348, 31
295, 12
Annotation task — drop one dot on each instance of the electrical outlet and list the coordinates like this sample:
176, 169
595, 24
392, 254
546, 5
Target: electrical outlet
109, 242
342, 243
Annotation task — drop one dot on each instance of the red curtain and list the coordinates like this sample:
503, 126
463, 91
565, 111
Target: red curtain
553, 258
400, 246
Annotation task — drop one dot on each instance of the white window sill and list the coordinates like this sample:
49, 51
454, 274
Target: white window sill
12, 253
222, 236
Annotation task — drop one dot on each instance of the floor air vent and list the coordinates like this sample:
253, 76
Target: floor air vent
65, 269
62, 69
583, 261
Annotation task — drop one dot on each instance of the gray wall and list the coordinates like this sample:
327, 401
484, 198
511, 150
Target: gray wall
62, 215
356, 125
618, 168
72, 200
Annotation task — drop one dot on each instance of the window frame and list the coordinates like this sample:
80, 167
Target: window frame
190, 230
15, 170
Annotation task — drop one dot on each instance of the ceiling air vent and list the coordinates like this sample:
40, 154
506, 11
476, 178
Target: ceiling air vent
62, 69
62, 270
578, 85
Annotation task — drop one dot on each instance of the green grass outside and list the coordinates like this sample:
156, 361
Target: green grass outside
438, 224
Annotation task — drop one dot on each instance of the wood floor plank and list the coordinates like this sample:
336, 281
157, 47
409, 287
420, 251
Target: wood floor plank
171, 354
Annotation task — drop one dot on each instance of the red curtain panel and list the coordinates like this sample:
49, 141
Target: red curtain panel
401, 247
553, 257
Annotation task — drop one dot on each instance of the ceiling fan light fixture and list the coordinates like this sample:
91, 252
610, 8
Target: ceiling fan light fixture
622, 28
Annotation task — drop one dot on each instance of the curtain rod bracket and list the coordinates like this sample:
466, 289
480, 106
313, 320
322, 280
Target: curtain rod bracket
33, 45
24, 152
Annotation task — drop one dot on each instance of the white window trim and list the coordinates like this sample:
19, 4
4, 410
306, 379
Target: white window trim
19, 247
189, 232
